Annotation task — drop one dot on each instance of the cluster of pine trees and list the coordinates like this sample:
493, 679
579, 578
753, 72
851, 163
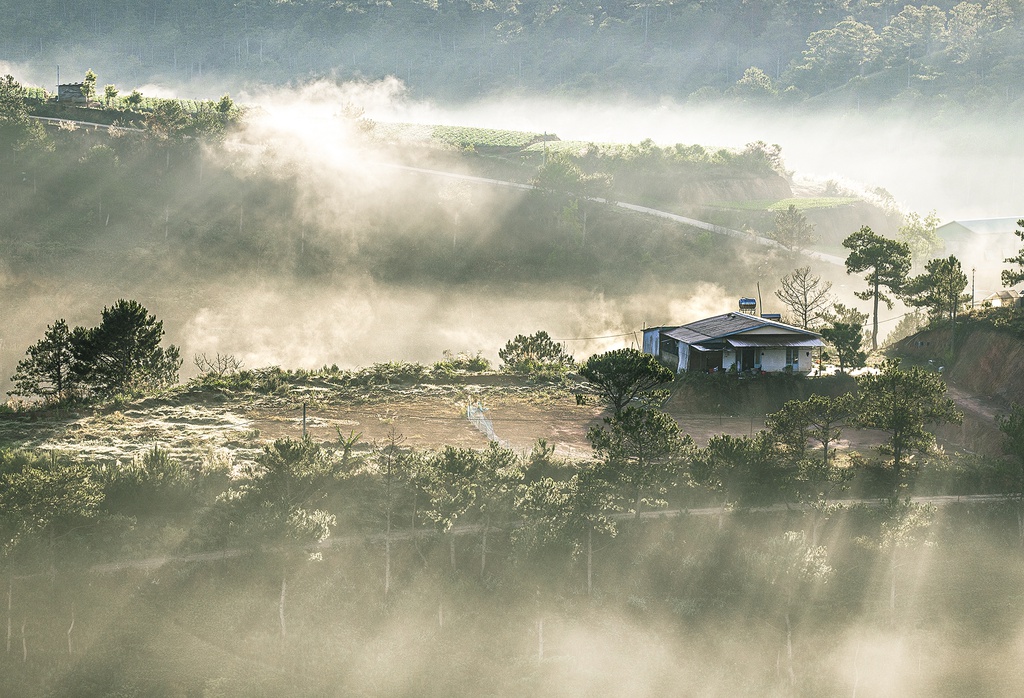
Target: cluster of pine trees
120, 356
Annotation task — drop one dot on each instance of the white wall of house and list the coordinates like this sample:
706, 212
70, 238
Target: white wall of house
806, 360
773, 359
768, 359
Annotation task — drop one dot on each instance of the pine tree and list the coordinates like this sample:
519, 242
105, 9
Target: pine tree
902, 404
792, 229
89, 86
1012, 277
124, 353
49, 367
887, 263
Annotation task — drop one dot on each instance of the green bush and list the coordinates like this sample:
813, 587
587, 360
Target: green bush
150, 484
535, 354
391, 372
1008, 319
454, 364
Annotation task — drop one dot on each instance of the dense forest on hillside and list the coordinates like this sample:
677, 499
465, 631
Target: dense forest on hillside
840, 51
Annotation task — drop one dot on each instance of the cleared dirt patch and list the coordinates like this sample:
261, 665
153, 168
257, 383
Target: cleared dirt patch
213, 428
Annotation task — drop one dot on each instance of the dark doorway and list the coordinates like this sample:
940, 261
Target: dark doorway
747, 359
706, 361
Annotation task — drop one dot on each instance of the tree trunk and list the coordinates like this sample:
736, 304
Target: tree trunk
280, 606
24, 644
540, 639
789, 651
451, 550
10, 594
639, 497
856, 671
590, 561
897, 468
892, 589
440, 615
71, 628
387, 566
387, 557
483, 552
874, 322
1020, 535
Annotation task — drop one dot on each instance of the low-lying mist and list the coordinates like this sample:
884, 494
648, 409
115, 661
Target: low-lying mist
297, 242
358, 322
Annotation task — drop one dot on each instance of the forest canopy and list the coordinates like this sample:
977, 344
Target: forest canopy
760, 52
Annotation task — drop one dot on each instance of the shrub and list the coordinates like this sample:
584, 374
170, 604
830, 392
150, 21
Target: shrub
391, 372
535, 353
261, 380
462, 362
153, 483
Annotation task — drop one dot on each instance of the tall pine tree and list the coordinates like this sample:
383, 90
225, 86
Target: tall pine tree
49, 369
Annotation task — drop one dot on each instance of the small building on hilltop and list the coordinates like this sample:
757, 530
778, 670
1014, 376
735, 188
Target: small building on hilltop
71, 93
982, 243
1007, 298
738, 341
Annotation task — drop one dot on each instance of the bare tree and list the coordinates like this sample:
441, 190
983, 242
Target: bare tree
806, 296
220, 365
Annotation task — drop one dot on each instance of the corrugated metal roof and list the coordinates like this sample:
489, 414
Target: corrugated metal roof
687, 336
721, 326
767, 340
983, 226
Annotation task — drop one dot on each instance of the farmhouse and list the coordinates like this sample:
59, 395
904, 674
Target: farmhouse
738, 340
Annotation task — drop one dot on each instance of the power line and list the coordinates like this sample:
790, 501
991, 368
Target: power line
898, 317
607, 336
